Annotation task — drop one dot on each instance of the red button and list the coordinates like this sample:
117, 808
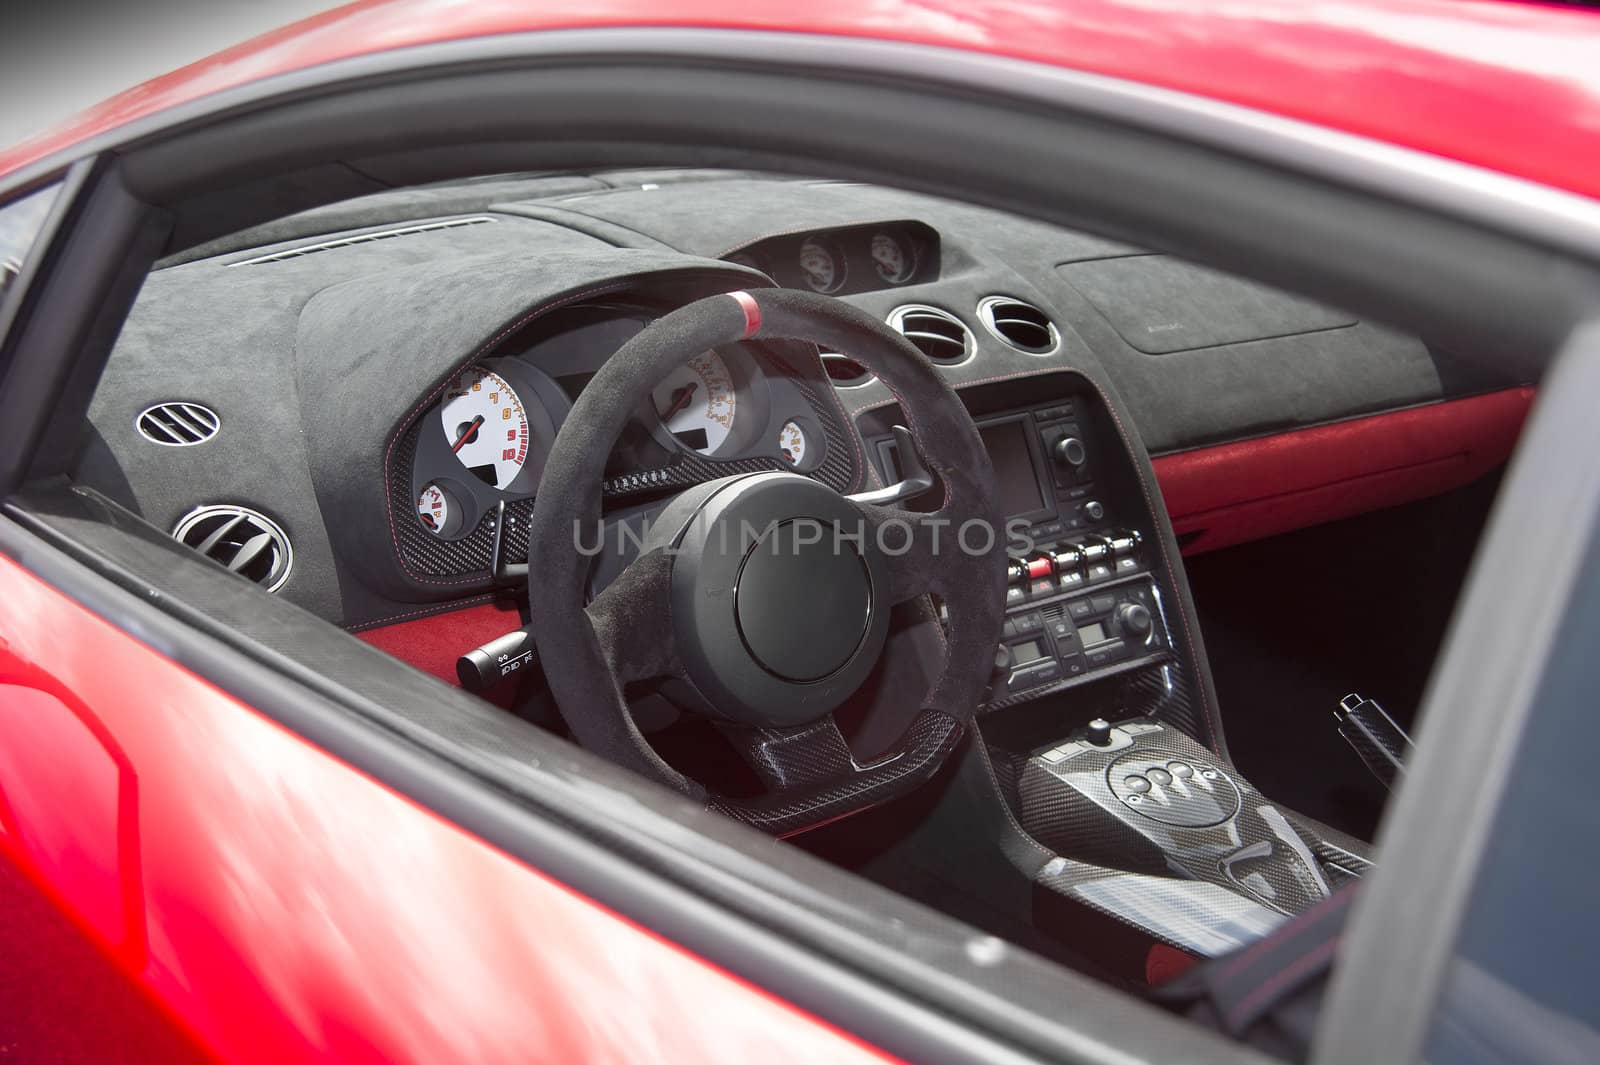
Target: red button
1039, 567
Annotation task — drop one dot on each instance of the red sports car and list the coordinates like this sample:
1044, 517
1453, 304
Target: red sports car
692, 532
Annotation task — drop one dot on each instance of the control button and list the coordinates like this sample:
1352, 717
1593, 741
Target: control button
1159, 776
1098, 571
1134, 619
1080, 609
1094, 510
1098, 732
1139, 728
1095, 551
1181, 770
1055, 755
1040, 567
1009, 629
1069, 451
1136, 784
1067, 558
1033, 676
1063, 631
1080, 492
1100, 658
1042, 587
1071, 579
1027, 623
1016, 570
1073, 665
1051, 531
1103, 603
1014, 596
1127, 565
1133, 800
1124, 543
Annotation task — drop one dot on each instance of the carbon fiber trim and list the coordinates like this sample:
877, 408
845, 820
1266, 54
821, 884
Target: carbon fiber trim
1201, 918
424, 554
818, 754
1074, 799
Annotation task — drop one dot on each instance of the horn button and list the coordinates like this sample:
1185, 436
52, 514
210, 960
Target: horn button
803, 600
775, 607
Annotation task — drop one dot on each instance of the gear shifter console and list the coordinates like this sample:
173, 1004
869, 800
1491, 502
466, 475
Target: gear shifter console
1147, 799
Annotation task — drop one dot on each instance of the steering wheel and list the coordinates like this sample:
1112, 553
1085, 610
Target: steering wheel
768, 592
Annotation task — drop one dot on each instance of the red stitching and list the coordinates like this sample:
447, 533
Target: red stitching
405, 423
1283, 976
440, 608
796, 231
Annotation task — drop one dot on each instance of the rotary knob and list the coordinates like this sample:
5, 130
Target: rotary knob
1098, 732
1070, 452
1134, 619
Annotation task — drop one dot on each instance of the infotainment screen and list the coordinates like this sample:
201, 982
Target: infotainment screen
1018, 485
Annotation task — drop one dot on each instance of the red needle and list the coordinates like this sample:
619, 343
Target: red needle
680, 400
470, 430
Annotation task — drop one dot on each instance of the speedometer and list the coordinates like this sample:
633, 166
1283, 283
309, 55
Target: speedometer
697, 403
485, 426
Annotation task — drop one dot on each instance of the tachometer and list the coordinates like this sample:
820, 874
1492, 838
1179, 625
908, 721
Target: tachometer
697, 403
485, 426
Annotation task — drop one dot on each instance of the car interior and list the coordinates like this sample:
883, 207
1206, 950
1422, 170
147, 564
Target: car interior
500, 428
612, 477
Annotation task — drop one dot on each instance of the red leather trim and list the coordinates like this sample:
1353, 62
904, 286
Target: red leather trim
433, 643
1232, 493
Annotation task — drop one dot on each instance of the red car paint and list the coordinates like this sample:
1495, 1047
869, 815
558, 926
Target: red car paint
285, 907
1509, 86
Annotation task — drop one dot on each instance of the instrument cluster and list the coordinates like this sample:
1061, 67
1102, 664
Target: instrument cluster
486, 439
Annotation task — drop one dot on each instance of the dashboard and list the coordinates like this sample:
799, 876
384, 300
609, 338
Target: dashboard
375, 403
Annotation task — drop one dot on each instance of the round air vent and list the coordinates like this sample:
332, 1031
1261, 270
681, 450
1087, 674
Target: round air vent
242, 540
1021, 325
937, 334
844, 371
178, 424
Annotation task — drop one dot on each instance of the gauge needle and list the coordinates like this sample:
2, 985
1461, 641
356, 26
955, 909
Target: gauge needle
680, 400
470, 429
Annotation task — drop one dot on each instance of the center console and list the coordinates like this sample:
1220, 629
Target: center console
1090, 727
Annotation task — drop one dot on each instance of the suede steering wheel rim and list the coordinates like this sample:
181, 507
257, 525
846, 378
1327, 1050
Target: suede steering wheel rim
647, 622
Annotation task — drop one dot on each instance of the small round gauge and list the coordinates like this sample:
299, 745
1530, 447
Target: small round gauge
698, 403
436, 512
792, 441
823, 265
485, 426
893, 257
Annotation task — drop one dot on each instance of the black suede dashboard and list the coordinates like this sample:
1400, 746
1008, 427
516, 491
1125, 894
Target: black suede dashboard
320, 353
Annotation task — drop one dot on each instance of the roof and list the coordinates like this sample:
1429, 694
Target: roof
1513, 87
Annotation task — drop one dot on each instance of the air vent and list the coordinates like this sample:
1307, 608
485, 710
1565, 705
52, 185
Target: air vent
362, 238
845, 372
242, 540
937, 334
178, 424
1021, 325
